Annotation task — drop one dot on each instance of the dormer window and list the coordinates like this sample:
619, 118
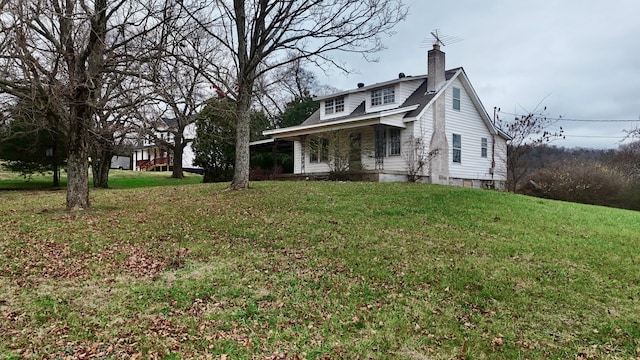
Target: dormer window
332, 106
383, 96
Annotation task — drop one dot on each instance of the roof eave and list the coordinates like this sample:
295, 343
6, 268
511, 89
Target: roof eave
369, 87
380, 117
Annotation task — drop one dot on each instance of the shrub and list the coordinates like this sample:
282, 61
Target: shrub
583, 182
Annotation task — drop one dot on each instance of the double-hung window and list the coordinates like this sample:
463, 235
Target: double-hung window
456, 98
383, 96
457, 148
483, 147
394, 142
319, 150
388, 142
333, 106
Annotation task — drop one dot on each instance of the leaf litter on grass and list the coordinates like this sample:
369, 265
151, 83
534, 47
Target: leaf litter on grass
260, 276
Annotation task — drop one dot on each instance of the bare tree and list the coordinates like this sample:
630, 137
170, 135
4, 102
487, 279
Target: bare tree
291, 82
260, 36
180, 84
417, 156
59, 51
339, 147
526, 133
114, 125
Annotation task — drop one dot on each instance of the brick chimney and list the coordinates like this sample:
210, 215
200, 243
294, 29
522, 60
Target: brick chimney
435, 69
439, 145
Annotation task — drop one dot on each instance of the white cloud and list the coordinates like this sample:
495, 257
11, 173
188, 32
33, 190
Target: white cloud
583, 56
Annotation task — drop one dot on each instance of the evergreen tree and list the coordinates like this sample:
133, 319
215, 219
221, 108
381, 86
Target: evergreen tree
297, 111
214, 146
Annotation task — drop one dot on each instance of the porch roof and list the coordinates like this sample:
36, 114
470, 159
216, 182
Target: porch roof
353, 120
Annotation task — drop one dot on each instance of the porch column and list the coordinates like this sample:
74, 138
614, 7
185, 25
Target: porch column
303, 143
380, 142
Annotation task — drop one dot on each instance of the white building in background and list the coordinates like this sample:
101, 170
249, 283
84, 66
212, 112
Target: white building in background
152, 155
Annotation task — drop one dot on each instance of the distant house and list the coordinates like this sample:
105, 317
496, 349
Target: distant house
152, 154
430, 128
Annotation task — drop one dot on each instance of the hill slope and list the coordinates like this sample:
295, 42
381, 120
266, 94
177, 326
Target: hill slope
317, 270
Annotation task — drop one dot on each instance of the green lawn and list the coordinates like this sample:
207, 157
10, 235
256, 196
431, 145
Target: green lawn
118, 179
312, 270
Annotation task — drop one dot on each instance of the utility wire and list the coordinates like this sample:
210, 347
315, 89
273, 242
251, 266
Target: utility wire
576, 120
595, 136
595, 120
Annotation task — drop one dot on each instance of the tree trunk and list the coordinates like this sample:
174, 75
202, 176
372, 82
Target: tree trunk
78, 177
241, 169
178, 149
246, 78
78, 160
100, 169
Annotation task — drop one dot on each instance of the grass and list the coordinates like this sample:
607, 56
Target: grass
118, 179
313, 270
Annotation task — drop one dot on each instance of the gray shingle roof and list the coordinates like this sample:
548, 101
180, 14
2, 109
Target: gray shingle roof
418, 97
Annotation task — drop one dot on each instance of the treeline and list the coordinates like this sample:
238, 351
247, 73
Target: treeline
600, 177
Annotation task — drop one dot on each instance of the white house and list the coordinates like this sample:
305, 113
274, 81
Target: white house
149, 154
431, 128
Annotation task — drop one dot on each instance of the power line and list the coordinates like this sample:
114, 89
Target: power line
595, 136
594, 120
576, 120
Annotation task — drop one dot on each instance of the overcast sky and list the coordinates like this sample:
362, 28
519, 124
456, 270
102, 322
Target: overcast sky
580, 58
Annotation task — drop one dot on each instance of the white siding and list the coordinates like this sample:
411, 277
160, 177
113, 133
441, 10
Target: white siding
188, 157
468, 123
310, 167
354, 100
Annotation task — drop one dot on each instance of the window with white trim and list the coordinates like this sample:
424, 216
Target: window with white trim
456, 98
383, 96
394, 142
319, 150
332, 106
388, 142
483, 147
457, 148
